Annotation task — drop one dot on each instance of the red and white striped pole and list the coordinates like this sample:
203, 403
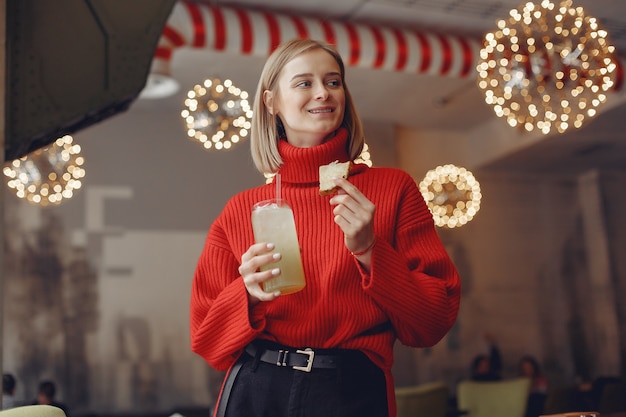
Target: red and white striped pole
258, 33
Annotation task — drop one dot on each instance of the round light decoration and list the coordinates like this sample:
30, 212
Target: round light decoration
547, 67
452, 195
217, 114
49, 175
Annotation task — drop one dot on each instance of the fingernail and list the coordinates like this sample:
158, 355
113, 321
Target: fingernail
275, 271
270, 246
276, 256
277, 293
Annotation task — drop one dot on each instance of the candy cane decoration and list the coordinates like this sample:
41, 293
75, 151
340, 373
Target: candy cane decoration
258, 33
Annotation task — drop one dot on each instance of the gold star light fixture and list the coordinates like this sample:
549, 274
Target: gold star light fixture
547, 67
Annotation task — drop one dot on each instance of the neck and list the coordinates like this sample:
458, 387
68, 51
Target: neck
301, 165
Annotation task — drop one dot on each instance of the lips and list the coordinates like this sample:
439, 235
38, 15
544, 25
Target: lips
322, 110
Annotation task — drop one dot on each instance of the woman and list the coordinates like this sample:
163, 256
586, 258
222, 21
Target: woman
375, 268
487, 367
529, 367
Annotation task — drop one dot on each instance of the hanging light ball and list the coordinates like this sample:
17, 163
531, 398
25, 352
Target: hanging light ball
547, 67
47, 176
217, 114
452, 195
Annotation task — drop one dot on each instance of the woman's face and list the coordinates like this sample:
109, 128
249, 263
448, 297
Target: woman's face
309, 99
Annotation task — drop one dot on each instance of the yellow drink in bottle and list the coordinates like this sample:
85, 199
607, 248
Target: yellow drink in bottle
273, 222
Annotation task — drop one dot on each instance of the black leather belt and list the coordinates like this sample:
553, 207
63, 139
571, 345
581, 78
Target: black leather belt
299, 359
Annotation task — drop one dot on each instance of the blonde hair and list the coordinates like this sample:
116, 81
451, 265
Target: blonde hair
267, 129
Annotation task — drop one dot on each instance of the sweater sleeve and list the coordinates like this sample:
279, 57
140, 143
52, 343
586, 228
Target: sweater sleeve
221, 320
413, 279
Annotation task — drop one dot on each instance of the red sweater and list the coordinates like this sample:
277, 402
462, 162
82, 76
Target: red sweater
411, 293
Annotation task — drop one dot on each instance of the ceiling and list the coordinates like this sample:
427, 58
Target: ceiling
425, 101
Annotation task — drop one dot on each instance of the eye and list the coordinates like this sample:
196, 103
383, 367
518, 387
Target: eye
334, 82
303, 84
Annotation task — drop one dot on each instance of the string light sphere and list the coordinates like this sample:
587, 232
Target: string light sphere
547, 67
452, 195
47, 176
363, 158
217, 114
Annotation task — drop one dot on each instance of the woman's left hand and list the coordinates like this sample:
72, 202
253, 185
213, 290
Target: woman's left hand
354, 214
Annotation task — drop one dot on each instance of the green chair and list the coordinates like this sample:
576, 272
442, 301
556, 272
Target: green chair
33, 411
423, 400
506, 398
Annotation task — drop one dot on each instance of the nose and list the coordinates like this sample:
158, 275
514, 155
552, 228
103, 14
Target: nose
321, 92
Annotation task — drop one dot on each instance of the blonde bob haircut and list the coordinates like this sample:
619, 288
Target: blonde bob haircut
267, 129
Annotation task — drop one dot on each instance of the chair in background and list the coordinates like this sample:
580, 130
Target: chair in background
564, 398
423, 400
489, 399
33, 411
607, 396
612, 398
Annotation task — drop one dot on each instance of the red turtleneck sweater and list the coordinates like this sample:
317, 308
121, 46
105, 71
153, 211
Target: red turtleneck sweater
411, 292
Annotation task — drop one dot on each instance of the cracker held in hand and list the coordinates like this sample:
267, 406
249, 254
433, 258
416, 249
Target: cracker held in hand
333, 170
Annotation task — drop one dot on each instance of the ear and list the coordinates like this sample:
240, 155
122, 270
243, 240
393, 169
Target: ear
268, 99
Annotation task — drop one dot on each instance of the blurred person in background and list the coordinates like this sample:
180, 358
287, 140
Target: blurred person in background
8, 391
46, 394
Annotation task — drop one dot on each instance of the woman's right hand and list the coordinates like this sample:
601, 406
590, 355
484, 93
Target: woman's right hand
258, 255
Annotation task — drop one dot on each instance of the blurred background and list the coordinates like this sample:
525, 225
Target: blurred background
96, 284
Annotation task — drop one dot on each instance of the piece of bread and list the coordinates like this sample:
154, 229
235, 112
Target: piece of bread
333, 170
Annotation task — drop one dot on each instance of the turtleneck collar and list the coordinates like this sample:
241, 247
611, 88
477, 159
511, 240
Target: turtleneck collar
301, 165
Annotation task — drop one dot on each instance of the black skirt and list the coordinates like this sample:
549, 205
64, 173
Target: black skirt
339, 383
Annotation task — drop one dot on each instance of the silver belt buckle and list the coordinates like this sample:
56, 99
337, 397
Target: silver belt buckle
309, 361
